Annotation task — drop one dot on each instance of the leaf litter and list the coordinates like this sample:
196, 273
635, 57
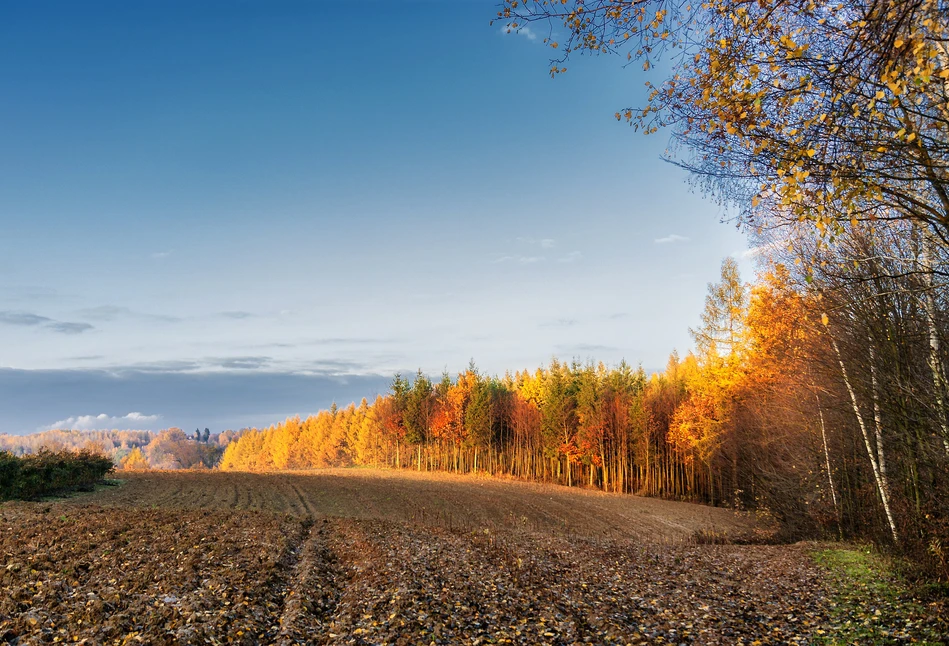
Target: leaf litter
122, 576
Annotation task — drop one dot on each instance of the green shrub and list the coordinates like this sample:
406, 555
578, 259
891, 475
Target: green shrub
9, 474
39, 474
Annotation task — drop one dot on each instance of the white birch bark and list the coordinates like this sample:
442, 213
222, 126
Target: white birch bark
881, 484
877, 419
830, 475
935, 360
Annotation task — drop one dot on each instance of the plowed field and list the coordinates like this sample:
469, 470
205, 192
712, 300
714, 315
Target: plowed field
362, 557
454, 502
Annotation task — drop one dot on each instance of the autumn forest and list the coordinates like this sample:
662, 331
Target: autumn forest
783, 408
817, 393
785, 479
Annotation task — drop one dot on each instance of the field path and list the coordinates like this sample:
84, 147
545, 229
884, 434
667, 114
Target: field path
438, 500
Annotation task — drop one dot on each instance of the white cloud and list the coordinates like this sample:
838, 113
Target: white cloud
523, 260
103, 422
672, 237
158, 255
543, 243
525, 31
573, 256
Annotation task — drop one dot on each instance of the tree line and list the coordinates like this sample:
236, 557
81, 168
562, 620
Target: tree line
804, 399
824, 128
170, 448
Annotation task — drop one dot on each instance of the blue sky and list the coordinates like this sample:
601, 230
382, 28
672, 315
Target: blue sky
213, 198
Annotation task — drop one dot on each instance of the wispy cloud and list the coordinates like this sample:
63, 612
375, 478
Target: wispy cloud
158, 255
524, 31
199, 365
243, 364
559, 323
105, 312
66, 327
335, 367
573, 256
23, 318
521, 260
543, 243
168, 366
115, 312
31, 399
673, 237
586, 348
103, 422
329, 342
240, 363
29, 319
236, 315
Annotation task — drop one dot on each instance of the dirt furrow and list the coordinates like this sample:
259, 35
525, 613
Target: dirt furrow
435, 500
314, 588
303, 498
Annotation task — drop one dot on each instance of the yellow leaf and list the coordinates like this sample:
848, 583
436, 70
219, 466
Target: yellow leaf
824, 319
811, 152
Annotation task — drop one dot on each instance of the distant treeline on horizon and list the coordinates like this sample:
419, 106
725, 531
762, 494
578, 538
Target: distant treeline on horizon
170, 448
794, 403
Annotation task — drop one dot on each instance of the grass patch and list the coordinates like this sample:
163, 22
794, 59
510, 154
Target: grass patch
860, 568
870, 603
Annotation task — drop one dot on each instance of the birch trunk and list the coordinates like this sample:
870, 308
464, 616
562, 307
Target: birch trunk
935, 361
877, 420
881, 484
830, 475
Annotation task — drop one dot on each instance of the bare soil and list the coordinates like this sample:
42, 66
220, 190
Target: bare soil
433, 499
369, 557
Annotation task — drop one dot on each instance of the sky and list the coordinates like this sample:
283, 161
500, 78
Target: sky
219, 214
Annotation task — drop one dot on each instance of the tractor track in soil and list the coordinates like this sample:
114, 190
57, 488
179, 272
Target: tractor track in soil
367, 557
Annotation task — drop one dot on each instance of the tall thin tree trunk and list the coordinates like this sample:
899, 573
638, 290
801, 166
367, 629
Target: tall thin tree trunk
603, 467
877, 420
881, 483
830, 474
935, 360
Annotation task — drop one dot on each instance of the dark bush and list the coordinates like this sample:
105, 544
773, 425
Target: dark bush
33, 476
